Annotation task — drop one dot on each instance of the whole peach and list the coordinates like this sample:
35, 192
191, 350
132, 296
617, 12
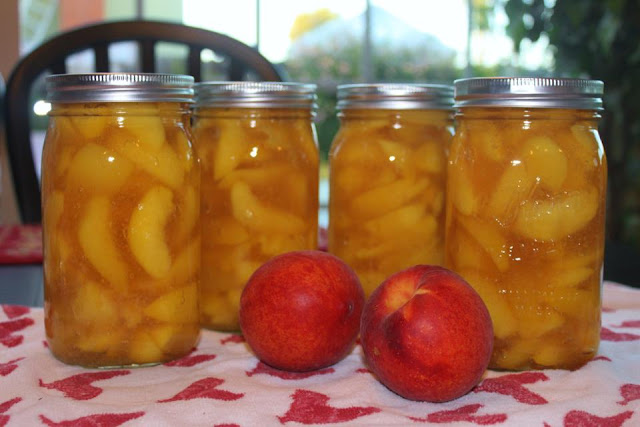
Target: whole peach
301, 310
426, 334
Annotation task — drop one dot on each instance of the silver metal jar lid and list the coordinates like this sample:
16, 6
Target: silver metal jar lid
255, 95
119, 87
395, 96
529, 92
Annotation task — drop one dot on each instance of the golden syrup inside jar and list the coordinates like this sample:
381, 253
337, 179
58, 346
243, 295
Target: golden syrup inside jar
387, 190
260, 171
525, 227
121, 233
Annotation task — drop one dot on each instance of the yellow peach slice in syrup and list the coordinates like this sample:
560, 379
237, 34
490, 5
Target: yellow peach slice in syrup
462, 193
177, 306
504, 321
397, 222
98, 169
187, 263
395, 151
514, 186
490, 238
90, 127
98, 244
144, 349
348, 180
99, 341
253, 214
148, 130
162, 164
386, 198
188, 213
94, 304
275, 244
223, 230
545, 162
267, 175
430, 157
556, 218
535, 318
184, 150
487, 138
147, 231
231, 149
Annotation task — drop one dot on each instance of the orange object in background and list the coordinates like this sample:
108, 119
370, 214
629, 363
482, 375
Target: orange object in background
121, 222
526, 215
387, 178
260, 169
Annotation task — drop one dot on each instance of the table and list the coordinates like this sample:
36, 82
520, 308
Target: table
221, 383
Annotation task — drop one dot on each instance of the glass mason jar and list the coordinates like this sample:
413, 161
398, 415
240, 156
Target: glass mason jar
258, 149
387, 177
526, 214
121, 216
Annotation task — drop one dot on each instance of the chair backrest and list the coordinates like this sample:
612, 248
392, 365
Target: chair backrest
242, 62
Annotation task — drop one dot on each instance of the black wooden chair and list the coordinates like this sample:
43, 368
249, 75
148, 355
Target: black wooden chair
234, 61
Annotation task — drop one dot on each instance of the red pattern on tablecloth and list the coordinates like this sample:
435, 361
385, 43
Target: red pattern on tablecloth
468, 413
512, 385
97, 420
204, 389
262, 368
221, 383
79, 387
8, 329
20, 244
191, 360
310, 407
585, 419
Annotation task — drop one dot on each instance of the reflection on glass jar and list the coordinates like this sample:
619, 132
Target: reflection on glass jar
387, 178
258, 150
121, 220
526, 215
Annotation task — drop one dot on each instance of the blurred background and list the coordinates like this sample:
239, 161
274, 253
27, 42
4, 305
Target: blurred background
336, 41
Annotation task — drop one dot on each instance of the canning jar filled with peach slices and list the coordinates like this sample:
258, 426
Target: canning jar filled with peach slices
257, 145
387, 177
121, 218
527, 180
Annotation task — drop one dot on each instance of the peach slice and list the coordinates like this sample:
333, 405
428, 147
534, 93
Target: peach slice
99, 169
487, 138
144, 349
90, 127
397, 222
93, 304
148, 131
163, 164
231, 149
502, 316
386, 198
558, 217
147, 231
187, 263
253, 214
98, 244
545, 162
177, 306
223, 230
490, 238
430, 158
513, 186
188, 213
463, 195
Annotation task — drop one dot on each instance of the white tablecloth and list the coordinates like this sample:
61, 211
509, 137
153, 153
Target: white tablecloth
222, 384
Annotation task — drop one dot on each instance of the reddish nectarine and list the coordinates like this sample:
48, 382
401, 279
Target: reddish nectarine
301, 310
426, 334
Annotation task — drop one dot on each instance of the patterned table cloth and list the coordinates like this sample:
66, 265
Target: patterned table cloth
222, 384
